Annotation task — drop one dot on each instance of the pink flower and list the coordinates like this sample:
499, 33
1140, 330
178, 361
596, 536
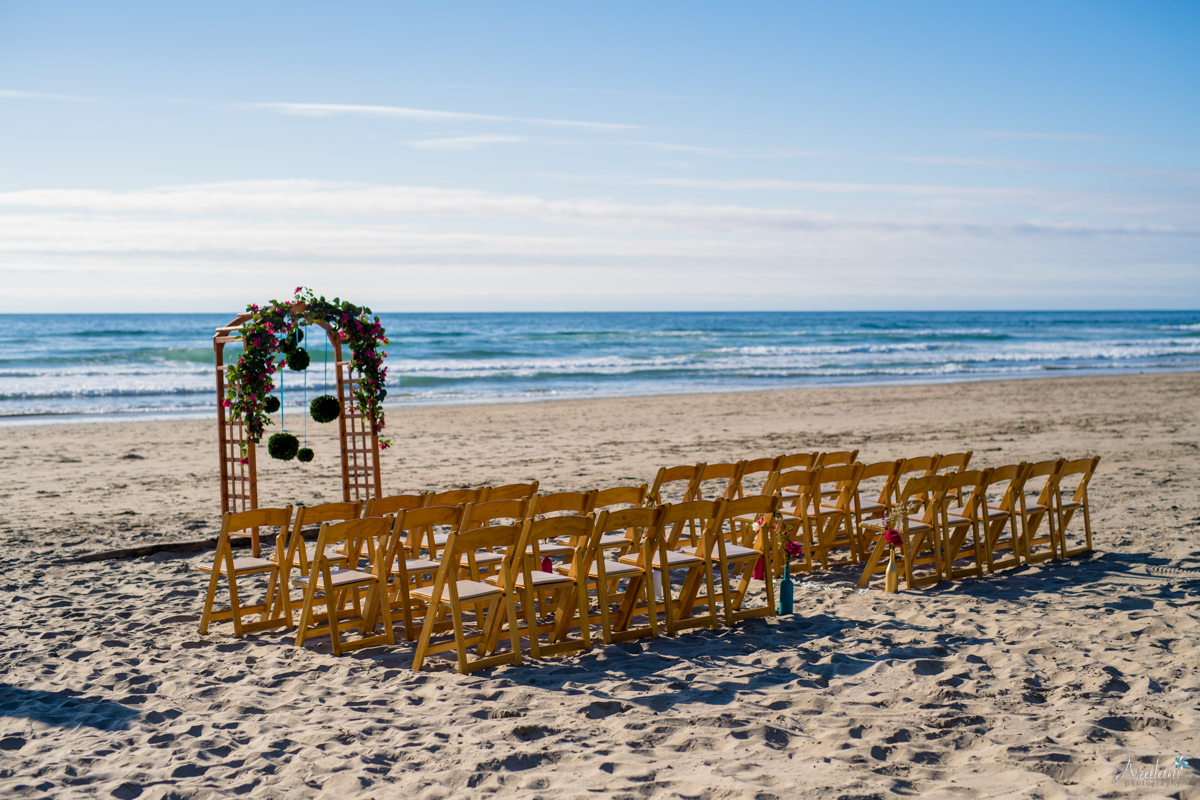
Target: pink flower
298, 288
793, 549
227, 404
893, 538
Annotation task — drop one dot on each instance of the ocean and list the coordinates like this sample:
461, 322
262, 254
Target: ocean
72, 366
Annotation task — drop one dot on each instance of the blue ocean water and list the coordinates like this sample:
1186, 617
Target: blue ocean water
162, 364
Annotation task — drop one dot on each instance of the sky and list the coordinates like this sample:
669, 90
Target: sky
609, 156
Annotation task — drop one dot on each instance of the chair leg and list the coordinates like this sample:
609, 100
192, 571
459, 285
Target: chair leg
210, 598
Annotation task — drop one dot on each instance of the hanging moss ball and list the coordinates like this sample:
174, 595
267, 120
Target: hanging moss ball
283, 446
271, 404
297, 360
325, 408
305, 455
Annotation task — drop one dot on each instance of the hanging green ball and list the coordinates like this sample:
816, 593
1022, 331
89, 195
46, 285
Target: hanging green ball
271, 404
283, 446
297, 360
325, 408
305, 455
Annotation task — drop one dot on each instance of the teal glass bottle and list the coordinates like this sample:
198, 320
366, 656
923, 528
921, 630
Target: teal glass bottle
786, 589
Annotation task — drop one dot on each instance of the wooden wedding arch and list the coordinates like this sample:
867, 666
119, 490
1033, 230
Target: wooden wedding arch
359, 442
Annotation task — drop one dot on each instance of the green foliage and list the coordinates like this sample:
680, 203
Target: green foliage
325, 408
283, 446
305, 455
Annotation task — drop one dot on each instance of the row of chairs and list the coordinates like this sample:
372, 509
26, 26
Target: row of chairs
611, 553
475, 573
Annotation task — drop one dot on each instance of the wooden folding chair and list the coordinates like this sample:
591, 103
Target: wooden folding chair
409, 568
570, 591
457, 597
394, 504
275, 609
920, 534
476, 565
1005, 514
1032, 514
797, 485
838, 458
557, 504
726, 477
698, 514
675, 484
609, 500
801, 461
966, 519
511, 491
734, 560
833, 518
953, 463
308, 517
642, 531
877, 481
1085, 468
759, 471
369, 588
920, 467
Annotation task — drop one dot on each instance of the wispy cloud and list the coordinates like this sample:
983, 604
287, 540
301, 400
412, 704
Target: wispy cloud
16, 95
1075, 137
465, 142
293, 199
426, 115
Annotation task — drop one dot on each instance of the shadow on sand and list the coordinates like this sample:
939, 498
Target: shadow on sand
65, 709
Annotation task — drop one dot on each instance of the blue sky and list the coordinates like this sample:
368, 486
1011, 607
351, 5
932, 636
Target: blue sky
482, 156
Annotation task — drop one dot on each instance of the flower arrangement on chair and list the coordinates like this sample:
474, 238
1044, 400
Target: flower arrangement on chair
787, 547
891, 536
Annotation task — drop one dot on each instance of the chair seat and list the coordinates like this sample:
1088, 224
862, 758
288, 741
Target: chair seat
1035, 507
870, 506
914, 525
675, 559
540, 579
614, 539
828, 511
482, 557
468, 591
340, 577
243, 566
614, 569
551, 549
957, 519
732, 551
418, 565
1070, 504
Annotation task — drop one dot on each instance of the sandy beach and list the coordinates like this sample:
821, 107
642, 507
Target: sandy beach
1040, 682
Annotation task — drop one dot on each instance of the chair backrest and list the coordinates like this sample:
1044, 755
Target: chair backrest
467, 543
688, 474
254, 519
317, 515
560, 503
694, 515
728, 474
1014, 476
416, 528
1048, 470
378, 506
844, 478
954, 461
640, 524
976, 481
327, 512
576, 527
801, 481
797, 461
453, 497
752, 471
479, 515
885, 470
931, 487
761, 505
619, 496
837, 458
511, 491
1085, 468
926, 465
354, 533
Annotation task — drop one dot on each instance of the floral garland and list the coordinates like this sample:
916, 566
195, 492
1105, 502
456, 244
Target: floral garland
272, 330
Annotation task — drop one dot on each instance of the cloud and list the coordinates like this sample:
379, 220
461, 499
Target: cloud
464, 142
425, 115
16, 95
1074, 137
295, 199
